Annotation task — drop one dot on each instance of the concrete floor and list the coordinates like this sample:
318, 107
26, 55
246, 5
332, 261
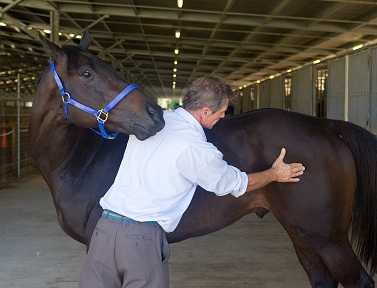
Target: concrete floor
35, 253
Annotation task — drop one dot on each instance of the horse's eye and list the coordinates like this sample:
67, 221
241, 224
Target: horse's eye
86, 74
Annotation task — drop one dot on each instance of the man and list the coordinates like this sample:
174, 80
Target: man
155, 184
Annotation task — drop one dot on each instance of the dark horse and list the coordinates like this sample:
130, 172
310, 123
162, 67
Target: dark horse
336, 195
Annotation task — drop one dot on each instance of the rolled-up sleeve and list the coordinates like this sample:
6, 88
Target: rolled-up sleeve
222, 179
211, 172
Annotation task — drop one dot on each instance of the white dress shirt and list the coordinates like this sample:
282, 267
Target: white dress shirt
157, 177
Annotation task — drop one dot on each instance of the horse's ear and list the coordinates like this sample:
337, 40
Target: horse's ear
85, 40
51, 48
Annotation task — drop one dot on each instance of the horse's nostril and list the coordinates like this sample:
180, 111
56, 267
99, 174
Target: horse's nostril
151, 111
155, 112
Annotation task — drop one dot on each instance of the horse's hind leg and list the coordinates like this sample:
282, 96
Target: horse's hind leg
318, 274
344, 265
328, 258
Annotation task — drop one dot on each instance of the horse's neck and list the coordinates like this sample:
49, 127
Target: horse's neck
67, 154
54, 140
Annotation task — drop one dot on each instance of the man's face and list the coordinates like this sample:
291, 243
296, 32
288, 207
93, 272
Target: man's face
212, 118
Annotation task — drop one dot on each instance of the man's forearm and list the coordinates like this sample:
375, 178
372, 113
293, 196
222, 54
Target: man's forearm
260, 179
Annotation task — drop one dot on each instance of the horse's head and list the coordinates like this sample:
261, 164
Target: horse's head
91, 86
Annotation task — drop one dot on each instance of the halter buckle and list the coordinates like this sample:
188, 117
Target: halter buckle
102, 114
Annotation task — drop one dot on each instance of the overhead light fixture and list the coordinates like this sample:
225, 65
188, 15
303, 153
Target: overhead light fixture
176, 51
180, 3
177, 34
316, 61
2, 24
175, 70
272, 77
175, 62
174, 75
357, 47
47, 31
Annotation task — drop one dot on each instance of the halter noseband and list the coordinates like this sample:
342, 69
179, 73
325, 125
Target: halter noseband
101, 114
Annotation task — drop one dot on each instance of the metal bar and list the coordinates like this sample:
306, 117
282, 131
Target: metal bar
89, 26
346, 91
19, 127
9, 6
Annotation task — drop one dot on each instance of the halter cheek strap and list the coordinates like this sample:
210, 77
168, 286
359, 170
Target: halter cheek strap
101, 115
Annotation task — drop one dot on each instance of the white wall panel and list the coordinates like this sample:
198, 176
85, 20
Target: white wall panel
336, 89
359, 99
246, 99
277, 92
373, 94
302, 91
264, 94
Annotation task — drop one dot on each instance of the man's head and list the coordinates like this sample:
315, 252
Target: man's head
207, 99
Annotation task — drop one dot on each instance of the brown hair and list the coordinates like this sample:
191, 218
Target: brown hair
208, 91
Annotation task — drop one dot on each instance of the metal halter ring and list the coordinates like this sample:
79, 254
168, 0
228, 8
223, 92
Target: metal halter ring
100, 113
66, 96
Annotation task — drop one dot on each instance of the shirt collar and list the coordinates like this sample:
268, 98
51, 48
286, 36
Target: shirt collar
191, 119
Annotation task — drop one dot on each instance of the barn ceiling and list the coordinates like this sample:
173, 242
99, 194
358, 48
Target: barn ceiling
241, 40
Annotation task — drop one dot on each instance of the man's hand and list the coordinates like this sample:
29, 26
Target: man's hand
280, 172
286, 172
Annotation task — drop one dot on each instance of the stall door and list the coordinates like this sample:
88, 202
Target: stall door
302, 91
336, 89
373, 108
277, 92
358, 79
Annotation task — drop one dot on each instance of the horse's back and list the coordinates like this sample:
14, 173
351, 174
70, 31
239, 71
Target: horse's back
251, 141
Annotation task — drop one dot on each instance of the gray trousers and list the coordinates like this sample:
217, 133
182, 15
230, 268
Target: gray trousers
126, 254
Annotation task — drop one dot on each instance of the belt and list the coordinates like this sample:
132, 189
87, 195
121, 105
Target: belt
113, 215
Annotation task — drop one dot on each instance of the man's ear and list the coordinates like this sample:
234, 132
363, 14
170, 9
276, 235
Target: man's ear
206, 111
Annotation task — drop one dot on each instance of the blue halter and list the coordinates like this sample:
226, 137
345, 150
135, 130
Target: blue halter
101, 114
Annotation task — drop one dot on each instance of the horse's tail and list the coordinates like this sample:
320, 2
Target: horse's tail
363, 146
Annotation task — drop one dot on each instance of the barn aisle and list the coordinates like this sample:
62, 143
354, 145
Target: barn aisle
35, 252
